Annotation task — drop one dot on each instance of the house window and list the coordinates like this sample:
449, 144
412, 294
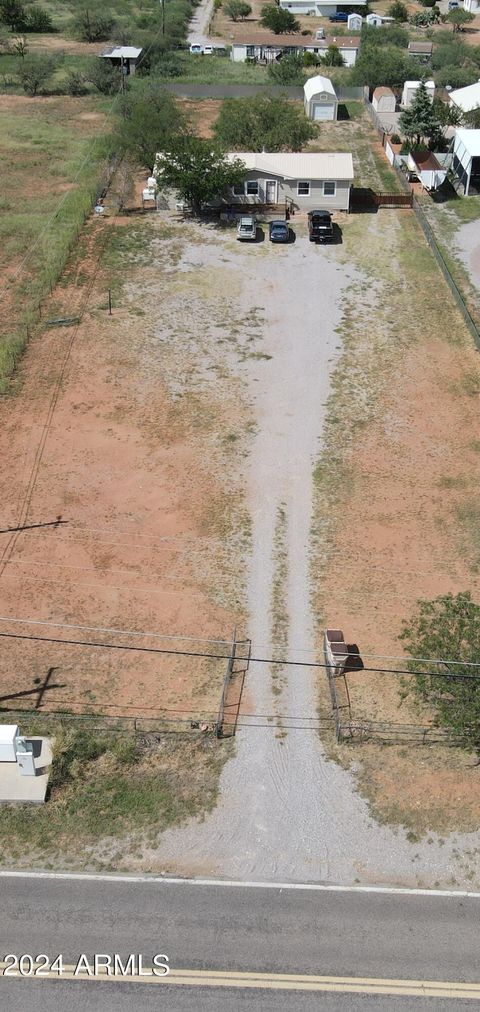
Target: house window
252, 187
239, 190
329, 188
250, 52
303, 188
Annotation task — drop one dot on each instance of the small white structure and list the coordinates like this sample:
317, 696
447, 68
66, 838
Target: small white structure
466, 99
354, 23
410, 89
125, 57
383, 100
8, 743
466, 158
320, 99
427, 168
375, 20
473, 6
24, 766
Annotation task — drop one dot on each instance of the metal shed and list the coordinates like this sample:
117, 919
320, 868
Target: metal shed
383, 100
320, 99
466, 159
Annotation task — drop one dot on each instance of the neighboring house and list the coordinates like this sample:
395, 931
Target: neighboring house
354, 23
466, 159
125, 57
410, 90
308, 180
264, 48
466, 99
383, 100
320, 8
421, 51
320, 98
348, 47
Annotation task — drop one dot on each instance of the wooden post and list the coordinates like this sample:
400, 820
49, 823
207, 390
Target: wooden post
109, 302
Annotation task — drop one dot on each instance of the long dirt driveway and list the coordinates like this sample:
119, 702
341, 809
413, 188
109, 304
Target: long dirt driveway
285, 810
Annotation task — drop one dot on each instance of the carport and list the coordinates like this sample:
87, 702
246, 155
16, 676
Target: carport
466, 158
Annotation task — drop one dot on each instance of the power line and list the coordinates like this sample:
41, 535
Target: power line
282, 662
121, 632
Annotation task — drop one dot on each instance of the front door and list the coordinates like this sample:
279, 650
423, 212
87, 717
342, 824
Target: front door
270, 191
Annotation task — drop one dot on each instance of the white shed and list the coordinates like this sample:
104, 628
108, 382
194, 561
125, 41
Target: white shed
320, 99
383, 100
466, 158
354, 23
375, 20
410, 89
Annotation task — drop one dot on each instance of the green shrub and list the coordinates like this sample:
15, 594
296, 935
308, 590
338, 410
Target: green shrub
38, 20
75, 83
93, 27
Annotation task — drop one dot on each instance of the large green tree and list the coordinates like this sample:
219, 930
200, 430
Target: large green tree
237, 10
381, 66
459, 18
198, 170
252, 124
420, 121
447, 629
148, 120
278, 20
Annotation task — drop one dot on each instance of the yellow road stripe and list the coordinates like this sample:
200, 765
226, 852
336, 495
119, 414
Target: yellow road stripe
279, 981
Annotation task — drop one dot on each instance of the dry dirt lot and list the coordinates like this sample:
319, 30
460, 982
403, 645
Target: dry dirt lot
112, 427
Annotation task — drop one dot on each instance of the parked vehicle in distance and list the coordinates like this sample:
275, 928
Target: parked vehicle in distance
453, 5
208, 50
247, 228
279, 231
196, 48
339, 16
320, 226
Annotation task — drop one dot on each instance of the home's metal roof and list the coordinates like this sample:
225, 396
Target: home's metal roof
422, 48
117, 52
467, 98
313, 165
340, 41
267, 39
316, 84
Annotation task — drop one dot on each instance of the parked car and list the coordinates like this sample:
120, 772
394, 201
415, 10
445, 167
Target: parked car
453, 5
279, 231
247, 228
196, 48
208, 50
339, 16
320, 227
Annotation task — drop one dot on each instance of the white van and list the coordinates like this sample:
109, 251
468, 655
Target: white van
196, 48
208, 50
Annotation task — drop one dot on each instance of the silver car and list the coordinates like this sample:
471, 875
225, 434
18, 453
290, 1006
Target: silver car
247, 228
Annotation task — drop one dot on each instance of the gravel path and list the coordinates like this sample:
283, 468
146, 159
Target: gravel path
285, 811
467, 242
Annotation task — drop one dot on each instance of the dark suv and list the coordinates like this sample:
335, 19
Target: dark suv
320, 227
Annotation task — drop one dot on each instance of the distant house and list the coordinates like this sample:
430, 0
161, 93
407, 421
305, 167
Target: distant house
320, 8
265, 48
421, 51
125, 57
320, 98
466, 159
307, 180
348, 47
466, 99
383, 100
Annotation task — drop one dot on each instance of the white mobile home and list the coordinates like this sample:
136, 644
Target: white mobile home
347, 46
320, 99
306, 180
319, 8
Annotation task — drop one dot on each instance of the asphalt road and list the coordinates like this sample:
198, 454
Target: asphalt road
352, 937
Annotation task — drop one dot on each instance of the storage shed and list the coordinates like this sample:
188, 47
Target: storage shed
375, 20
383, 100
354, 23
410, 89
125, 57
320, 98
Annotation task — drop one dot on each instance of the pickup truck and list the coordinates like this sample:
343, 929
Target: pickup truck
320, 227
339, 16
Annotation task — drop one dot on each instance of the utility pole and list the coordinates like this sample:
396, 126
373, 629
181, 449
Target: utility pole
163, 16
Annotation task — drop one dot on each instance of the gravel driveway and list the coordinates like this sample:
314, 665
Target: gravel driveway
285, 811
